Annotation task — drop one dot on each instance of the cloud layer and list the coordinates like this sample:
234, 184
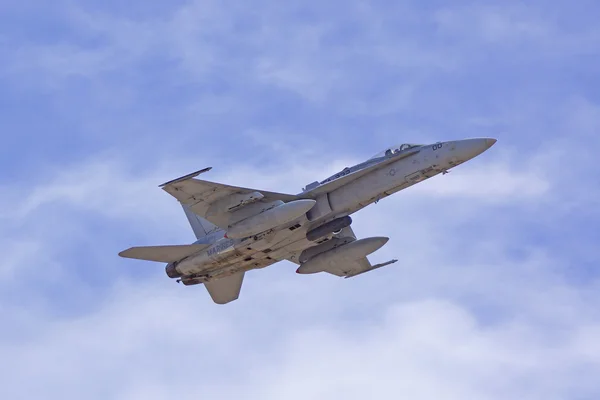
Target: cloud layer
494, 296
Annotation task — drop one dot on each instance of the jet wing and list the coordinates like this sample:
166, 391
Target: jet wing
227, 289
349, 268
200, 194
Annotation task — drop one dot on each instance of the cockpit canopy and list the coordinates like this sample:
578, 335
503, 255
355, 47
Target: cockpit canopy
395, 149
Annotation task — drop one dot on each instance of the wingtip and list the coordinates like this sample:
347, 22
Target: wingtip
186, 177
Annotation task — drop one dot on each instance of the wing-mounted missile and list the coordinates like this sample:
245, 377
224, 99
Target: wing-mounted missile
337, 259
354, 273
268, 219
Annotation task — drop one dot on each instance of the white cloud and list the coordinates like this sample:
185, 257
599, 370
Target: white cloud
480, 305
204, 38
413, 333
179, 346
492, 182
493, 23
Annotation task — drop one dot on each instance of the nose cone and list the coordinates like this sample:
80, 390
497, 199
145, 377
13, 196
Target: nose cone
470, 148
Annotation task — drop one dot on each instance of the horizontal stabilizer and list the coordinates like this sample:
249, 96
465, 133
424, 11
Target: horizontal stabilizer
165, 254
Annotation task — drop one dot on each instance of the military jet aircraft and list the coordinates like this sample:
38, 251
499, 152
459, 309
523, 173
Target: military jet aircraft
239, 229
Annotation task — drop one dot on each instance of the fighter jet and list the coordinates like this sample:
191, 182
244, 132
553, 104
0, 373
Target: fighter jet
240, 229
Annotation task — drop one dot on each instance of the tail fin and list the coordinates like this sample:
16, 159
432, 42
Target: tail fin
200, 226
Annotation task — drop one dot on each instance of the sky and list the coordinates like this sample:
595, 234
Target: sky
496, 292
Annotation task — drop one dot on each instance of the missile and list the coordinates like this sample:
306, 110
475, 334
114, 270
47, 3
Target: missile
270, 219
332, 226
352, 274
339, 255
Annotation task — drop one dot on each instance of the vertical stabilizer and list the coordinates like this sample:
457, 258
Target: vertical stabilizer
200, 226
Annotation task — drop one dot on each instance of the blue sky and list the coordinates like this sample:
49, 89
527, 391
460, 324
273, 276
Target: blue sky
495, 295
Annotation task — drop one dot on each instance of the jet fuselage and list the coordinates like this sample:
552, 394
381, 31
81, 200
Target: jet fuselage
227, 256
